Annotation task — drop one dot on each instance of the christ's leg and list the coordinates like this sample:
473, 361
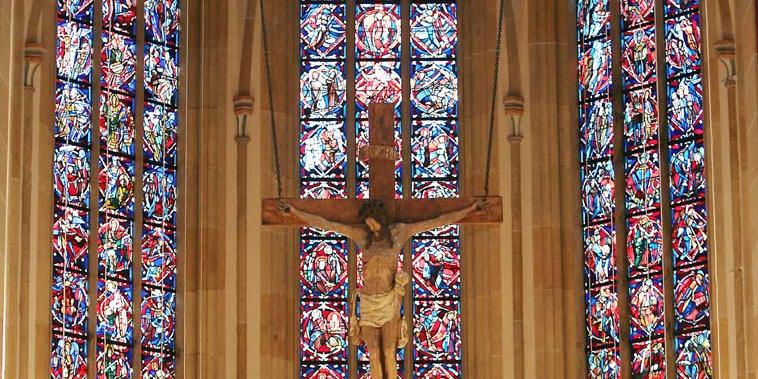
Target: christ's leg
390, 332
372, 337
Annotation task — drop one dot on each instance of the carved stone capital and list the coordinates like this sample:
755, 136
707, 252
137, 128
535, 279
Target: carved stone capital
514, 111
33, 56
243, 108
726, 52
385, 152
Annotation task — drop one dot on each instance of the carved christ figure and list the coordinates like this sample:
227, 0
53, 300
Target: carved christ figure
380, 325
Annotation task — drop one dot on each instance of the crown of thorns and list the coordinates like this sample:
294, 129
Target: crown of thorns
370, 209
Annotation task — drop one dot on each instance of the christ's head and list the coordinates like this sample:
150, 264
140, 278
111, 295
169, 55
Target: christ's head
374, 215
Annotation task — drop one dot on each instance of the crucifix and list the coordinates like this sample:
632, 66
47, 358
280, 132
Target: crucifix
381, 226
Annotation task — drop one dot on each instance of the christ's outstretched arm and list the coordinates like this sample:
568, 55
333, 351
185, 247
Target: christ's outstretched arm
357, 234
409, 230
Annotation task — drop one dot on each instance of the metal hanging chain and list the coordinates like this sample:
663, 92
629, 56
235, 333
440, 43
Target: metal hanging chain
494, 99
277, 166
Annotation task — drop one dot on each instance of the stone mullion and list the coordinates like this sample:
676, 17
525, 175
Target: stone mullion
406, 127
352, 169
139, 162
92, 276
663, 140
619, 219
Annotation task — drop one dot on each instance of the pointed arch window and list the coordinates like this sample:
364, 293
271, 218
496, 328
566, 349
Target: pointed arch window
659, 157
115, 144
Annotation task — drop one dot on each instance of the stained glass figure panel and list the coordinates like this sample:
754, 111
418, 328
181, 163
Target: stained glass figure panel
113, 361
678, 6
68, 358
690, 233
323, 268
118, 59
160, 134
604, 363
70, 297
158, 320
119, 15
594, 69
599, 253
72, 113
114, 311
324, 331
377, 82
115, 248
377, 31
434, 149
116, 185
322, 31
683, 42
593, 18
637, 12
322, 90
71, 174
70, 239
162, 21
436, 268
437, 330
323, 150
434, 89
79, 10
117, 123
157, 364
638, 57
158, 257
647, 308
694, 360
159, 188
161, 74
643, 182
692, 301
434, 30
73, 47
596, 130
641, 118
648, 359
644, 244
685, 112
602, 316
598, 190
687, 171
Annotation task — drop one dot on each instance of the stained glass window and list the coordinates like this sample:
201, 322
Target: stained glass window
116, 184
643, 155
377, 50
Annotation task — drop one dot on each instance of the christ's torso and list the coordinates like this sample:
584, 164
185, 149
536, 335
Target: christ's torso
380, 263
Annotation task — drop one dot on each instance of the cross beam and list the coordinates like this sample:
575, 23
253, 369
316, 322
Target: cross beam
382, 155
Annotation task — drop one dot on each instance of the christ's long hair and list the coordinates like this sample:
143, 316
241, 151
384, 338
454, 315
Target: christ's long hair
375, 209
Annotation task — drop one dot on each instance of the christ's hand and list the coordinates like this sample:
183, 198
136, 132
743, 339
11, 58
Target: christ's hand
283, 208
481, 204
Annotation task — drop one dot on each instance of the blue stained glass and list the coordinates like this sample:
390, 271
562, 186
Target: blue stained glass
636, 12
323, 190
434, 149
594, 68
377, 33
73, 47
117, 123
158, 364
315, 371
158, 256
597, 192
434, 89
683, 42
690, 233
649, 359
119, 15
80, 10
69, 357
323, 331
644, 244
677, 6
159, 187
113, 361
116, 185
434, 30
646, 305
71, 172
638, 56
162, 21
322, 30
604, 363
643, 182
323, 268
600, 253
160, 138
602, 316
377, 82
69, 302
118, 59
685, 114
437, 330
115, 249
323, 150
158, 319
437, 371
436, 268
114, 311
161, 74
593, 18
687, 171
322, 90
435, 189
692, 301
72, 113
694, 360
596, 130
70, 239
641, 118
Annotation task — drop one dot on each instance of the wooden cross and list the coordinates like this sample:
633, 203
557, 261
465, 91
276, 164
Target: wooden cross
382, 155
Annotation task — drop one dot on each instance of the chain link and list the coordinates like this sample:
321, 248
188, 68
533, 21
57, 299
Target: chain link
494, 99
277, 166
